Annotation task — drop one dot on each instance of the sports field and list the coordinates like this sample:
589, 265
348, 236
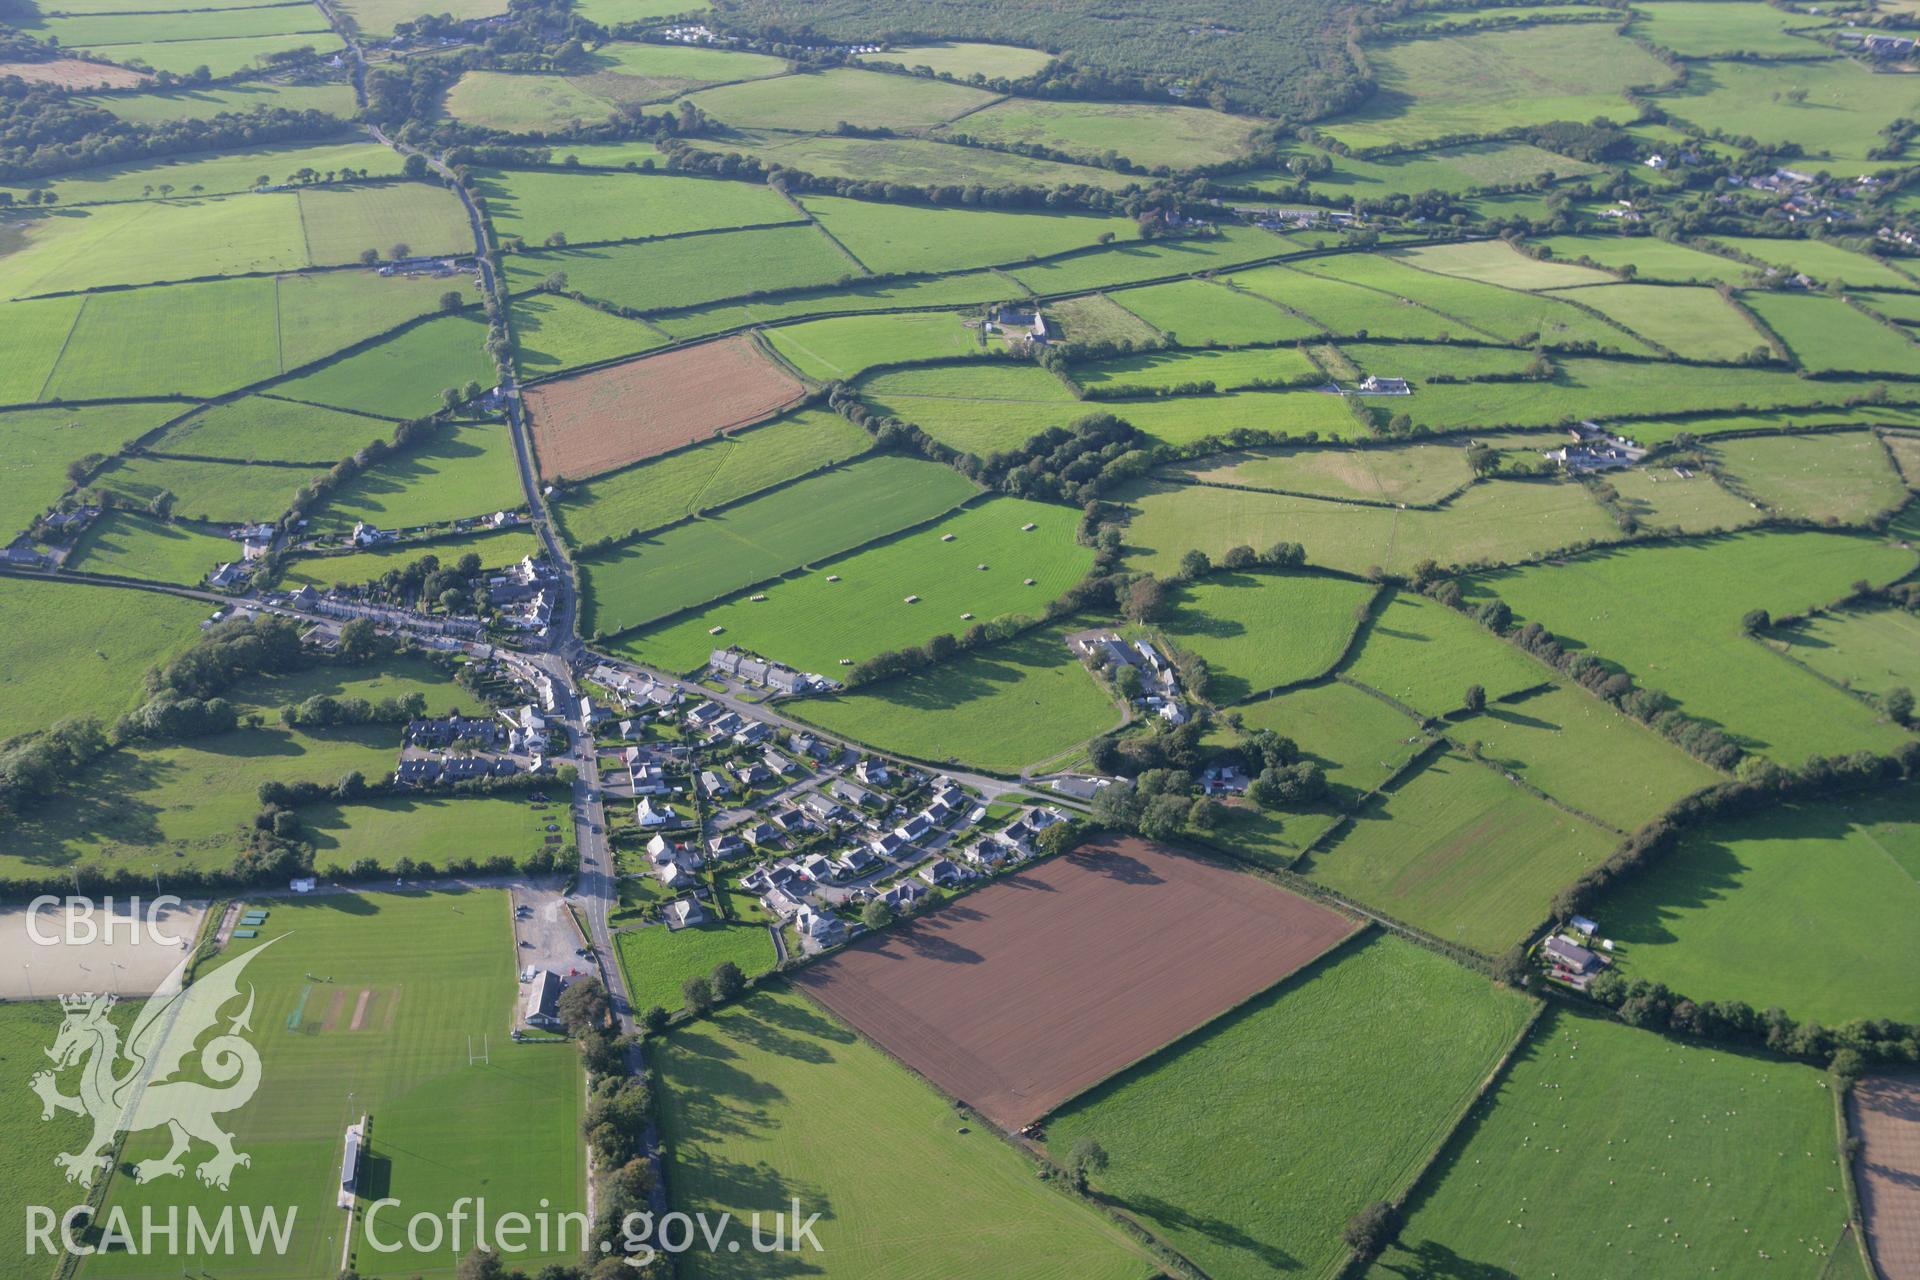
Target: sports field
1799, 907
1247, 1145
772, 1100
1671, 614
628, 412
707, 475
1457, 850
79, 649
972, 567
1013, 704
1674, 1153
1087, 946
364, 1004
1258, 631
798, 525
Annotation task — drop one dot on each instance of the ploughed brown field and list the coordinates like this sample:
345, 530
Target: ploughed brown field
627, 412
1024, 994
72, 73
1886, 1116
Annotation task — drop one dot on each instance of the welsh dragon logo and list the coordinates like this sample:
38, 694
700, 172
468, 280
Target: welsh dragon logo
129, 1088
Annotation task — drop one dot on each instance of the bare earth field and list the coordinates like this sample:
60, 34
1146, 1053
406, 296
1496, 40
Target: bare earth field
1886, 1117
618, 415
73, 73
138, 961
1030, 991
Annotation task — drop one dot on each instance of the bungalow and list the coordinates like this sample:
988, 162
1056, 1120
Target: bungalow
704, 714
726, 846
852, 792
809, 746
775, 762
753, 775
365, 535
817, 867
1041, 819
1372, 386
650, 816
712, 784
872, 772
941, 872
915, 828
763, 833
229, 574
901, 896
783, 902
822, 807
1570, 955
682, 912
726, 725
791, 821
887, 844
857, 861
937, 813
752, 733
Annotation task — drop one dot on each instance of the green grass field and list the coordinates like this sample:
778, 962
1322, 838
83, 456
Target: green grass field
798, 525
1675, 1155
152, 804
333, 98
1821, 260
1498, 263
186, 339
1017, 703
772, 1100
496, 551
656, 961
222, 57
1845, 477
965, 289
554, 334
36, 335
221, 492
1127, 262
1346, 309
261, 428
432, 969
1826, 335
906, 160
598, 86
692, 269
1424, 655
1695, 323
1650, 257
135, 547
376, 17
340, 223
87, 247
1197, 312
1496, 522
1436, 88
1258, 631
1459, 851
709, 474
1870, 650
814, 102
69, 651
41, 442
403, 376
1695, 29
1844, 107
1661, 499
1670, 615
1094, 317
812, 623
586, 207
465, 470
1450, 169
435, 829
212, 172
842, 347
894, 237
1154, 135
1249, 1144
1225, 369
1800, 907
962, 59
1581, 751
1355, 737
1417, 474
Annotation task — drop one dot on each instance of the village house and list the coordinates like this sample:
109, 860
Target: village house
817, 868
818, 929
647, 779
872, 772
763, 833
650, 816
985, 854
712, 784
851, 792
682, 912
822, 807
753, 775
673, 863
901, 896
440, 732
774, 762
887, 844
791, 821
726, 846
941, 872
858, 862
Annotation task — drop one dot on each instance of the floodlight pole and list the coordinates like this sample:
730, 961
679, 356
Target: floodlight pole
28, 970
